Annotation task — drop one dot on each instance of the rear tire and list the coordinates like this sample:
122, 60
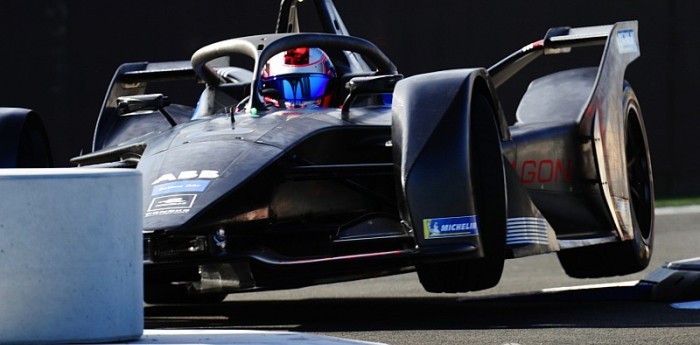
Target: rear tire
490, 199
626, 257
23, 140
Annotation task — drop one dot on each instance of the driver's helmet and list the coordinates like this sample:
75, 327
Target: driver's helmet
302, 76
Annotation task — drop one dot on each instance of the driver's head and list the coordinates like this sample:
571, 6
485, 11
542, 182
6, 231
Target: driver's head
301, 75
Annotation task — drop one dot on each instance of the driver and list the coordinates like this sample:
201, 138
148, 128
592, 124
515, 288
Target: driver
301, 77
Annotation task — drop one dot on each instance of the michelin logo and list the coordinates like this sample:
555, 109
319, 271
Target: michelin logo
448, 227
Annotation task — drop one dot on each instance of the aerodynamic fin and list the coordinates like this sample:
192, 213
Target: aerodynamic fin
557, 40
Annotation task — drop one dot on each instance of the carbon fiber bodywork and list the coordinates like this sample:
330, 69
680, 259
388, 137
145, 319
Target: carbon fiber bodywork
400, 174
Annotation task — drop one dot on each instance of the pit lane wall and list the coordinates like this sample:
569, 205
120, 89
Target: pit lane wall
70, 255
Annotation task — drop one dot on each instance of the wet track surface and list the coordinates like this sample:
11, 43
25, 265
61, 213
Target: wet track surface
395, 310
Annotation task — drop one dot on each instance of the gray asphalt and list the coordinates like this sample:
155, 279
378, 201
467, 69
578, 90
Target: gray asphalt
396, 310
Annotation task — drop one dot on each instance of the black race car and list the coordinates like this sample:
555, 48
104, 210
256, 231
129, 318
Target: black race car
249, 191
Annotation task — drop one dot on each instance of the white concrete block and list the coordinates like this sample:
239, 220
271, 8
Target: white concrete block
70, 255
239, 337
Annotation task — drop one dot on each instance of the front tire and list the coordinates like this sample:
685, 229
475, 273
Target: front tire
489, 195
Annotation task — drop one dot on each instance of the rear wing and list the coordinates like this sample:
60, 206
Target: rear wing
561, 40
132, 79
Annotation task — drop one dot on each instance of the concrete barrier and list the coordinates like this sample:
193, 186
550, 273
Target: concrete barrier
70, 255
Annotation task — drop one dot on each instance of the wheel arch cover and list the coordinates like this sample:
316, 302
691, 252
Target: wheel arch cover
431, 116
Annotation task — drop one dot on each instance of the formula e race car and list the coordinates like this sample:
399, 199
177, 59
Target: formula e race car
343, 169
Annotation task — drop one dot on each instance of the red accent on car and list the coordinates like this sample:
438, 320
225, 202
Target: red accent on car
543, 171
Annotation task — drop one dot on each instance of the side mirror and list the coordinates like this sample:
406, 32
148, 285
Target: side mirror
368, 85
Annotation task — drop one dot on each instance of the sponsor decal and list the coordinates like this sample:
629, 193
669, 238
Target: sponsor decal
626, 42
171, 204
449, 227
178, 187
168, 212
543, 171
188, 175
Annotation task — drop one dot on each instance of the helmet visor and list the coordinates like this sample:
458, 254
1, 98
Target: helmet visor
299, 87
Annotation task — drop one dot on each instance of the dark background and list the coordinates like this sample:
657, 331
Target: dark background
58, 56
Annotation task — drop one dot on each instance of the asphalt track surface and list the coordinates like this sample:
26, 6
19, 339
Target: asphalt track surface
535, 303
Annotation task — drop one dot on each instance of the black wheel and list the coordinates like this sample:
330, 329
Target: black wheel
166, 293
23, 140
489, 194
620, 258
34, 151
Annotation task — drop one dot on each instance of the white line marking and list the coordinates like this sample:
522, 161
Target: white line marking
592, 286
662, 211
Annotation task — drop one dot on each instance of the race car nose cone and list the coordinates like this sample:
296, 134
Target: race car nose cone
70, 247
